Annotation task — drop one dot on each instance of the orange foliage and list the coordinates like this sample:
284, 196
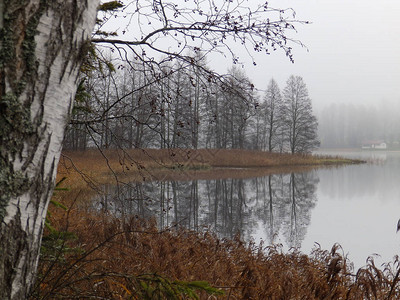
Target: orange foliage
108, 256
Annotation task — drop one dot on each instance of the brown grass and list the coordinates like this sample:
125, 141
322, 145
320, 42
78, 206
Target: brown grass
109, 257
180, 164
96, 256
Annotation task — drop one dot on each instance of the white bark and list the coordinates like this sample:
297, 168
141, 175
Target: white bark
61, 33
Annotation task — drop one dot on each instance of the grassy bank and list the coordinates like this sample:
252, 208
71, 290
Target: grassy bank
181, 164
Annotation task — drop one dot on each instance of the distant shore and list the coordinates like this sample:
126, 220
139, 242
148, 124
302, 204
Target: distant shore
187, 164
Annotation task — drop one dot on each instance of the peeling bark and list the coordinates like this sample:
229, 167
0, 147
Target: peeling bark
42, 44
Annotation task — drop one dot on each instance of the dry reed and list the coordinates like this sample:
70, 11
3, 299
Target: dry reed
159, 164
93, 255
107, 258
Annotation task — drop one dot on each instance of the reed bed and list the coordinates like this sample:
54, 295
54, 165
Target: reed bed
92, 255
137, 159
160, 164
95, 256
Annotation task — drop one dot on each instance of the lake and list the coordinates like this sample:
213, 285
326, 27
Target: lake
357, 206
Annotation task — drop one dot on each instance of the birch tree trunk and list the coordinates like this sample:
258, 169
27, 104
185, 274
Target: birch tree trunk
42, 44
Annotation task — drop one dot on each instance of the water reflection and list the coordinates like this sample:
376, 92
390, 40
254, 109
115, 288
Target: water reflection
275, 208
358, 206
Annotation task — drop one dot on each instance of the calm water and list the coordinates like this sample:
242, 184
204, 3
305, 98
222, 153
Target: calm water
357, 206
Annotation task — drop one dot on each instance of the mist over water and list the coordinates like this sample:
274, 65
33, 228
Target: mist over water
358, 207
349, 125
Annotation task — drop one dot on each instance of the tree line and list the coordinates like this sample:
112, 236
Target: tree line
42, 47
184, 106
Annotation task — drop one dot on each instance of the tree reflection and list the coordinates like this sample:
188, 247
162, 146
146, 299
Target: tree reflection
301, 200
271, 207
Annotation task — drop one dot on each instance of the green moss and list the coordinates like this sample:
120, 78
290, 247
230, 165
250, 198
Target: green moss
15, 118
12, 184
29, 44
9, 35
110, 6
15, 126
7, 52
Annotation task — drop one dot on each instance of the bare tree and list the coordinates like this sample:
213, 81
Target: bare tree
42, 46
188, 32
200, 26
300, 123
273, 115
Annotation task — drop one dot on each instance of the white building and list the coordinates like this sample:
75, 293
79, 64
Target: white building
377, 145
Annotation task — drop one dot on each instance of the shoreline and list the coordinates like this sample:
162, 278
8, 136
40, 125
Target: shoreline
137, 165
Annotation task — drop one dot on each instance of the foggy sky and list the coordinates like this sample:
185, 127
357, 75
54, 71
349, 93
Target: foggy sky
353, 52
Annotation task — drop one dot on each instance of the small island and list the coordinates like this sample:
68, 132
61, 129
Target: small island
107, 165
